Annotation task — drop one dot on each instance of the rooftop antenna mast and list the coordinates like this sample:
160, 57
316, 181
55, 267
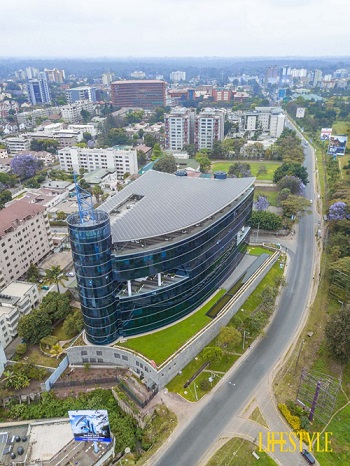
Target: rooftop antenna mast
85, 205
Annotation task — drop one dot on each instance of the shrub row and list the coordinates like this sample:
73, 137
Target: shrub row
293, 421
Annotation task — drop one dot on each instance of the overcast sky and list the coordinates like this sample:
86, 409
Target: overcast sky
174, 28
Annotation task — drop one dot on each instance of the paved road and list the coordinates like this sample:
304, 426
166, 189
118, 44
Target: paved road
198, 435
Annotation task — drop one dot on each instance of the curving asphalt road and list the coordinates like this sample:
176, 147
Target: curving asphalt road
227, 401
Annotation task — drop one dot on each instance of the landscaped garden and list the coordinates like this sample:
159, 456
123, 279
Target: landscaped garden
254, 167
158, 346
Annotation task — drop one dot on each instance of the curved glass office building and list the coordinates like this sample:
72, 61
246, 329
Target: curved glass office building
157, 250
91, 244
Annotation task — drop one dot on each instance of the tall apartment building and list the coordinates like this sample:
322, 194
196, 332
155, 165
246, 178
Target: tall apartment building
179, 128
17, 145
72, 113
55, 75
122, 160
38, 90
31, 72
176, 76
107, 78
25, 238
81, 93
16, 300
209, 127
138, 93
316, 77
266, 119
138, 74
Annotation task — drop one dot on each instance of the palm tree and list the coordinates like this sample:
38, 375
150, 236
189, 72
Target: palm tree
55, 275
56, 350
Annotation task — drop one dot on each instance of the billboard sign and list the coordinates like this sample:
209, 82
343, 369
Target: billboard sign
300, 113
90, 425
337, 145
326, 133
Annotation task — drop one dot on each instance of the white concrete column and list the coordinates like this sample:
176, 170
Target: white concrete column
159, 279
129, 288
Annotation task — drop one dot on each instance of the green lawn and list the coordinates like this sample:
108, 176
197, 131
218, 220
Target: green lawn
59, 332
158, 346
257, 251
342, 127
269, 192
254, 167
35, 356
238, 452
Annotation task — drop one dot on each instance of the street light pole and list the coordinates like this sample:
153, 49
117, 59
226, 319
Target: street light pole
257, 233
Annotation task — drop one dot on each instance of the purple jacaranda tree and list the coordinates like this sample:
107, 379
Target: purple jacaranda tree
261, 203
337, 211
25, 166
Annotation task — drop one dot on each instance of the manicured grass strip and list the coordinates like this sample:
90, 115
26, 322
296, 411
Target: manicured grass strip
35, 356
158, 346
239, 452
257, 251
254, 167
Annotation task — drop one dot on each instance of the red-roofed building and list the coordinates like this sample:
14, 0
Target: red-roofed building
144, 93
25, 238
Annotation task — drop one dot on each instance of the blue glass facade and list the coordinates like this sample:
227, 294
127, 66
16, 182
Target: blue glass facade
181, 271
91, 249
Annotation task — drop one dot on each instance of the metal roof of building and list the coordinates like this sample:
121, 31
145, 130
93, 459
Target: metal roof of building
159, 203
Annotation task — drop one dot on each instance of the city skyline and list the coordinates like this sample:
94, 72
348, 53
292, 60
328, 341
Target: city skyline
253, 28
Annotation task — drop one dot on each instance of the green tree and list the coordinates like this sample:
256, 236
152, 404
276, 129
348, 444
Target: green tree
87, 136
149, 140
294, 205
213, 354
48, 145
5, 196
21, 348
56, 305
239, 170
292, 169
61, 215
34, 326
204, 162
217, 152
118, 137
97, 192
229, 338
33, 274
190, 149
73, 324
338, 335
86, 116
265, 220
166, 164
157, 151
8, 180
84, 185
49, 341
55, 275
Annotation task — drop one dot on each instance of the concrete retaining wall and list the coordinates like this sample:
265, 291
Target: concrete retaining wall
46, 386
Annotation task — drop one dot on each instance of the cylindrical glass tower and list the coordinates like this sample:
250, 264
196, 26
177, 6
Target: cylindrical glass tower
91, 244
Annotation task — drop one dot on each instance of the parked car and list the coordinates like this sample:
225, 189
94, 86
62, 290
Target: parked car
308, 456
45, 287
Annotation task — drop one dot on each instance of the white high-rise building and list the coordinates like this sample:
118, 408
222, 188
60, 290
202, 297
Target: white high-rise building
107, 78
176, 76
71, 113
209, 127
267, 119
179, 128
122, 160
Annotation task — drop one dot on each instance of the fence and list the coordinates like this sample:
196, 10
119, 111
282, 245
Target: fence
46, 386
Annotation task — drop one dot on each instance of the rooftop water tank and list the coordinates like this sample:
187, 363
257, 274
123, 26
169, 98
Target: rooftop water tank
220, 175
181, 173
